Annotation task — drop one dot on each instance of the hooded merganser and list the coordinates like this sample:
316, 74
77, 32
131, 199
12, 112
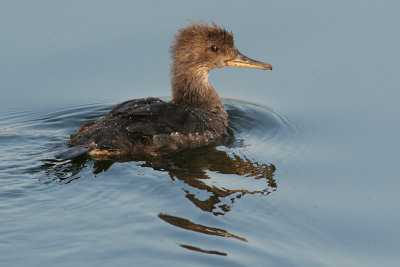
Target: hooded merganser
194, 117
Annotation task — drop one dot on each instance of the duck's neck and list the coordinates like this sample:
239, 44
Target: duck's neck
190, 88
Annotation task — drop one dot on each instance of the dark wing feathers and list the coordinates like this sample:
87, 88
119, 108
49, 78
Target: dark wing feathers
157, 117
132, 126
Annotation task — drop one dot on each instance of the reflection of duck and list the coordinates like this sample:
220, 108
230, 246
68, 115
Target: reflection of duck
192, 167
194, 117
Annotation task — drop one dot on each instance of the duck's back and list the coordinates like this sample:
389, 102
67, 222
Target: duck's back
151, 127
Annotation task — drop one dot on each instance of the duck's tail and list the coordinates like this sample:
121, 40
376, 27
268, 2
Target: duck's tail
73, 152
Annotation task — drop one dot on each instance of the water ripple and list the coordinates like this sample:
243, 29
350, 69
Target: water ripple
208, 179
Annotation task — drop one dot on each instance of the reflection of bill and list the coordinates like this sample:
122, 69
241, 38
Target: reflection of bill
188, 225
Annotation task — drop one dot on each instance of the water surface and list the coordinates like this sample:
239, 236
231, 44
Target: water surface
123, 197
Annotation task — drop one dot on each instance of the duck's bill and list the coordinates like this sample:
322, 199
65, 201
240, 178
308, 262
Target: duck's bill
243, 61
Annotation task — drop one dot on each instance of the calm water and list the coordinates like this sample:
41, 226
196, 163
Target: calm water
307, 175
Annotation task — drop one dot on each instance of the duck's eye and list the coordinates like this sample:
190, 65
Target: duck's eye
214, 48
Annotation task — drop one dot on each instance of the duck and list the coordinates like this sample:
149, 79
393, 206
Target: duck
194, 117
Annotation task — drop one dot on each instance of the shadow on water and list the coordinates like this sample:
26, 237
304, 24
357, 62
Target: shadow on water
199, 169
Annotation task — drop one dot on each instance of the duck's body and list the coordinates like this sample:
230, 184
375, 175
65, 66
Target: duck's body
151, 126
194, 117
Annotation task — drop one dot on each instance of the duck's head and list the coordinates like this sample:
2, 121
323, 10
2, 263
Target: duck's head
202, 47
198, 49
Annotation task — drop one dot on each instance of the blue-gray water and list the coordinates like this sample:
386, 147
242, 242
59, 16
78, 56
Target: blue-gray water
310, 178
